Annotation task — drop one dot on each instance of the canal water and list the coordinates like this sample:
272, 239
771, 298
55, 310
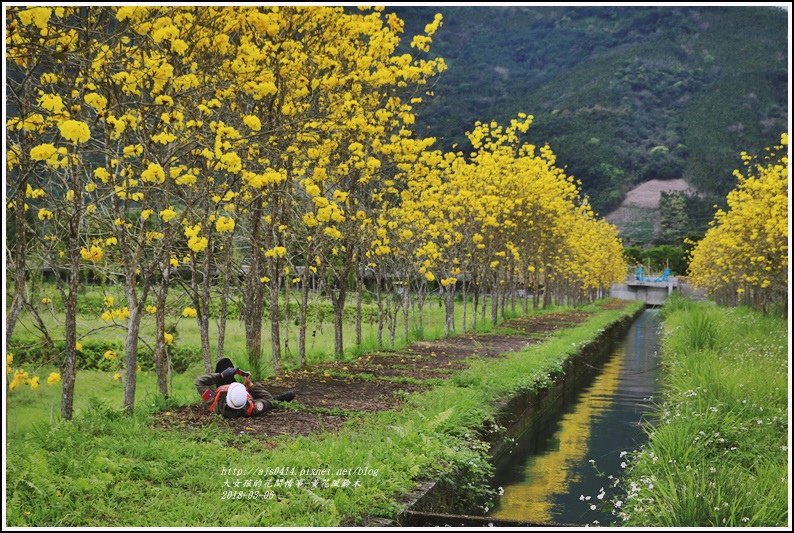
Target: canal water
557, 471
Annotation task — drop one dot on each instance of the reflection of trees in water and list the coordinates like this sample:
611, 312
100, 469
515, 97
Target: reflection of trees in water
552, 472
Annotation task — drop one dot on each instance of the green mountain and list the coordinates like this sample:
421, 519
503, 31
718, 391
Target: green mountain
621, 94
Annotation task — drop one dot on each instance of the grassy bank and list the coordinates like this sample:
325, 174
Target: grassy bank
718, 451
108, 469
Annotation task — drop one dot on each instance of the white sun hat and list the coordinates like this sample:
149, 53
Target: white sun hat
236, 396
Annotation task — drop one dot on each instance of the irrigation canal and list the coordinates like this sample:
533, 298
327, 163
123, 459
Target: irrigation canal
549, 471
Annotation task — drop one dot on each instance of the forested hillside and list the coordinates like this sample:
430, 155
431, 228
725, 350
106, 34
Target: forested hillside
622, 94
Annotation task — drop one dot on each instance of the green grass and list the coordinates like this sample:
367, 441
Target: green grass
110, 469
718, 451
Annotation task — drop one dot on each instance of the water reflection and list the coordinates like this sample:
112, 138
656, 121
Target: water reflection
550, 468
553, 472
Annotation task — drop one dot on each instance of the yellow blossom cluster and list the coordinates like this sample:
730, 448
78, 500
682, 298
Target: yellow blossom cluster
94, 254
116, 314
195, 243
224, 224
22, 377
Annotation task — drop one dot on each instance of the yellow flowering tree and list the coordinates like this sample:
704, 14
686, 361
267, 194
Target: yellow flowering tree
743, 258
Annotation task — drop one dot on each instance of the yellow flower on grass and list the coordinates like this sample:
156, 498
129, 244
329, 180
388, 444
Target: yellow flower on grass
116, 376
189, 312
54, 378
34, 383
78, 346
45, 301
151, 309
168, 338
110, 354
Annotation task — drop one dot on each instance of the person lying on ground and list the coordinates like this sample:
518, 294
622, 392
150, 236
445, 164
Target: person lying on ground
222, 393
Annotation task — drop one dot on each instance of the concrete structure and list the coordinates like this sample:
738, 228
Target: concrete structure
653, 292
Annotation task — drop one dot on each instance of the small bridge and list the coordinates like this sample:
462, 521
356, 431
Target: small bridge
638, 287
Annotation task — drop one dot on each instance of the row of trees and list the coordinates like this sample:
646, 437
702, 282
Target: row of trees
273, 142
743, 258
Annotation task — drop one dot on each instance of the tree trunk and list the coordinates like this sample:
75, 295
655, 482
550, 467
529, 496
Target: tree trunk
546, 290
339, 314
304, 312
513, 294
131, 355
406, 304
359, 296
203, 316
394, 304
476, 292
381, 314
227, 281
254, 293
69, 361
160, 357
449, 311
275, 330
535, 292
495, 301
135, 306
421, 304
465, 289
287, 283
194, 287
20, 265
484, 300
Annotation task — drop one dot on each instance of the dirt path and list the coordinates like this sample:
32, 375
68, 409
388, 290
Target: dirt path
328, 394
